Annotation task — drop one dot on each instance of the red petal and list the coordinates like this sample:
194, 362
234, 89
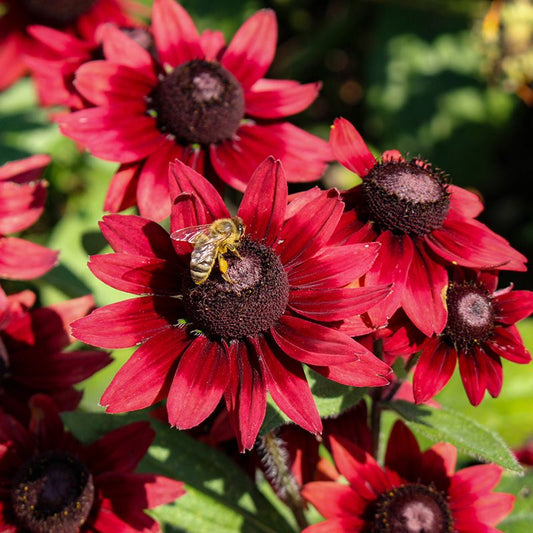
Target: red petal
433, 370
424, 296
198, 385
246, 394
464, 203
334, 266
136, 274
145, 378
127, 323
20, 259
265, 201
175, 33
24, 170
59, 370
470, 243
309, 230
403, 453
312, 343
20, 205
121, 133
473, 374
336, 304
513, 306
153, 188
235, 160
212, 43
208, 205
123, 50
133, 235
333, 499
251, 51
494, 375
122, 190
349, 148
366, 371
279, 98
131, 493
106, 84
120, 450
288, 387
391, 266
507, 343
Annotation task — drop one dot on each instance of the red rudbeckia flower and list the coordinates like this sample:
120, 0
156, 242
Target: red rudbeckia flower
199, 101
235, 339
22, 197
415, 491
32, 359
423, 224
49, 481
480, 331
60, 54
80, 17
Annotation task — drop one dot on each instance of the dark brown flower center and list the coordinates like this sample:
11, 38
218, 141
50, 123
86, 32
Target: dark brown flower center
251, 304
470, 315
406, 197
56, 13
412, 508
199, 102
52, 493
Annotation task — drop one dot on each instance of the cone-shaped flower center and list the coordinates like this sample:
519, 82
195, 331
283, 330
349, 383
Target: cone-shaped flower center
256, 298
470, 315
406, 197
198, 102
412, 508
52, 493
56, 13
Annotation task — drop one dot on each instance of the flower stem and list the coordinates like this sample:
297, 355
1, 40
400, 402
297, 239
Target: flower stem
275, 462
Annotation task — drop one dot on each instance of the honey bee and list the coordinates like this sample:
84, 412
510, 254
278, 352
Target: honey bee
211, 242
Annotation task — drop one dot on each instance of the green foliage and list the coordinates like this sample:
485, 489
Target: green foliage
445, 425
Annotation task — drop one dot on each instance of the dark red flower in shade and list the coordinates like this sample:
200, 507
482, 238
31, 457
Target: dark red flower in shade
78, 17
480, 331
22, 197
200, 101
414, 492
240, 339
32, 359
424, 225
49, 481
58, 56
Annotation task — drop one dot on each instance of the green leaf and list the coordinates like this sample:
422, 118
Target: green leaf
220, 495
331, 399
521, 518
464, 433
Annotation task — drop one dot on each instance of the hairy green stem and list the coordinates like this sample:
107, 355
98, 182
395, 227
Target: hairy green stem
275, 461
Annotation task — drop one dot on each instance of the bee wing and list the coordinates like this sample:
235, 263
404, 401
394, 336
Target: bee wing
191, 233
206, 252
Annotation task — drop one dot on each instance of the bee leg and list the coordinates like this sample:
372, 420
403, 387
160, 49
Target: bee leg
223, 267
234, 250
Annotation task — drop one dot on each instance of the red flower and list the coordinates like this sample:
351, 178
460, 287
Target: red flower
414, 492
80, 17
423, 224
479, 331
22, 196
240, 339
58, 56
49, 481
32, 359
201, 102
